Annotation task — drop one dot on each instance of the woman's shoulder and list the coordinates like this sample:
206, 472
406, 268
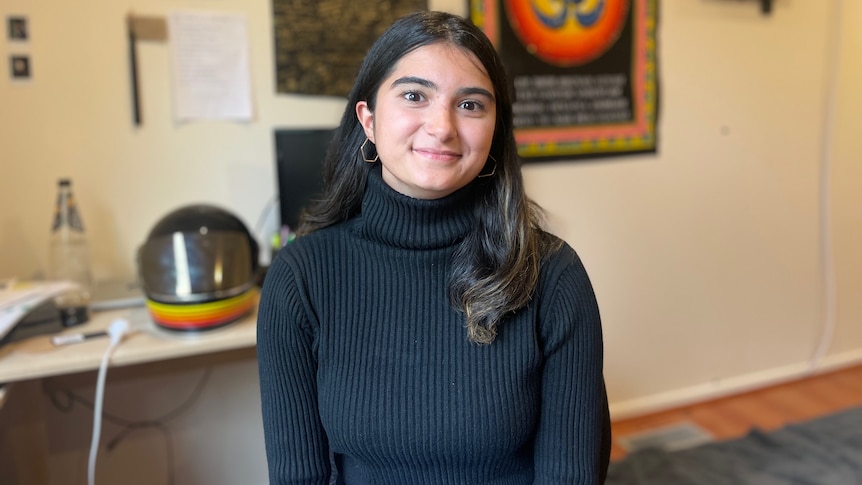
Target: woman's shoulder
557, 252
565, 295
293, 265
560, 261
312, 244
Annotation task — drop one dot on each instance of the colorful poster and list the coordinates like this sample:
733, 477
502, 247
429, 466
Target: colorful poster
584, 73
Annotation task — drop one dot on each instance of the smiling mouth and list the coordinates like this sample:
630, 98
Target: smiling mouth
434, 154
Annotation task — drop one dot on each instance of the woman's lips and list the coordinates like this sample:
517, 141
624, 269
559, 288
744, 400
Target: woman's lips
437, 154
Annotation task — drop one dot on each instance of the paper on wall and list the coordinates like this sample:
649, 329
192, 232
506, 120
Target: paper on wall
210, 61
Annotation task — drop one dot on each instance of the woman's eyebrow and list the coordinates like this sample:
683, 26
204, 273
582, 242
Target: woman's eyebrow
471, 91
414, 80
476, 91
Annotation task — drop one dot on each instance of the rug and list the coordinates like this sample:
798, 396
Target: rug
824, 451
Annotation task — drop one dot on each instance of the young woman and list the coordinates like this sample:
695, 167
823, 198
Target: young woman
424, 329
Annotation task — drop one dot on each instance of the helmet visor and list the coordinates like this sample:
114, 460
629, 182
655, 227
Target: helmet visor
194, 267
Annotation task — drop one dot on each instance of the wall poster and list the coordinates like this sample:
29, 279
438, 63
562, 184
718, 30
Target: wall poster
319, 45
584, 73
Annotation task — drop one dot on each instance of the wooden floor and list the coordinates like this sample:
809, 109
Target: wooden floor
766, 409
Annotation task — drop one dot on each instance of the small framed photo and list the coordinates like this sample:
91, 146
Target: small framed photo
16, 26
19, 66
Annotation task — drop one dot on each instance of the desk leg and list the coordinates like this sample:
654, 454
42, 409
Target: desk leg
23, 437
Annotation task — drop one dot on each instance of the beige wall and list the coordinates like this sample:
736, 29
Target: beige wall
845, 178
710, 259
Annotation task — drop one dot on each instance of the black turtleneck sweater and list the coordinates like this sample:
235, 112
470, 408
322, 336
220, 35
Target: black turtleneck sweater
364, 364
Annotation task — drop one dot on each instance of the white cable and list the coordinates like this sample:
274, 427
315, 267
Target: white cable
264, 245
827, 258
270, 205
116, 331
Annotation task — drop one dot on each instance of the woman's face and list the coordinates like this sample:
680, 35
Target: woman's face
434, 121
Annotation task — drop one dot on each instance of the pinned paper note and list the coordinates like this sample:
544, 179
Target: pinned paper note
210, 60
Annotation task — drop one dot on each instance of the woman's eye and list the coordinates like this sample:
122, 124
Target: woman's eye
471, 105
413, 96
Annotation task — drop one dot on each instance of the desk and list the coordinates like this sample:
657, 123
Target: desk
24, 364
35, 357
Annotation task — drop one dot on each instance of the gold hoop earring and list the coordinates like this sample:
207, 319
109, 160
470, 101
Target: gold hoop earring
364, 156
493, 169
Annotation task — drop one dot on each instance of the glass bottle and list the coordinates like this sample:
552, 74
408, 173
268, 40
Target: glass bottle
69, 257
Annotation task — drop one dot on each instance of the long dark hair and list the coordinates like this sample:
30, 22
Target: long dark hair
496, 267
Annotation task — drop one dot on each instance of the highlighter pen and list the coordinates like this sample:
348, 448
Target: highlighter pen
74, 338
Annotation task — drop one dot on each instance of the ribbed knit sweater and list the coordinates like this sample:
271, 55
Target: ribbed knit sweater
366, 371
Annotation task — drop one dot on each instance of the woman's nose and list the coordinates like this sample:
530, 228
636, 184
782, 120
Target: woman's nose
440, 122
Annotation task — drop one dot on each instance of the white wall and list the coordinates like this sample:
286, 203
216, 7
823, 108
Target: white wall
709, 260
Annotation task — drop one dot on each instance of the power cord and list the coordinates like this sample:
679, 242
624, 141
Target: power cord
268, 208
64, 401
827, 256
118, 329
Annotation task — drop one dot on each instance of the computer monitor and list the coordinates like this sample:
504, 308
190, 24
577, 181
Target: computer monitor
299, 162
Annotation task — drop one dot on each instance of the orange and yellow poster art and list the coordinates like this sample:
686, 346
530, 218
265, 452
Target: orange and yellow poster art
584, 73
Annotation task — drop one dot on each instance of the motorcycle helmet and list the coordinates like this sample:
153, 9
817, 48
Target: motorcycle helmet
198, 269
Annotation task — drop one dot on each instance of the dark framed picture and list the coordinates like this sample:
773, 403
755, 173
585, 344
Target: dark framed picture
19, 66
17, 28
